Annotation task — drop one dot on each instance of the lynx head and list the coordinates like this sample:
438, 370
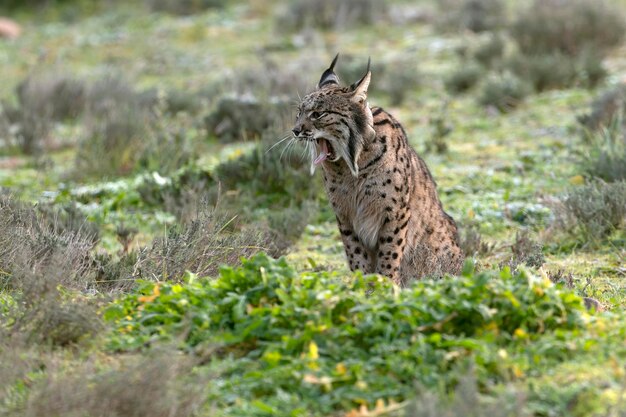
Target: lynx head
335, 122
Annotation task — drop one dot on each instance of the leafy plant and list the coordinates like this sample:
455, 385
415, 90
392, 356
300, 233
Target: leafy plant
321, 342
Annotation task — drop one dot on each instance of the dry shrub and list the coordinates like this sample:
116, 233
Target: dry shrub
52, 94
491, 51
468, 401
473, 15
472, 243
558, 70
128, 126
44, 98
593, 211
332, 14
201, 246
184, 7
609, 107
526, 251
464, 78
32, 244
568, 26
400, 78
604, 155
245, 117
504, 92
159, 384
288, 224
37, 256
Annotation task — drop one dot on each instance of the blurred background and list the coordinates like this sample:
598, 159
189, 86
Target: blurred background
139, 117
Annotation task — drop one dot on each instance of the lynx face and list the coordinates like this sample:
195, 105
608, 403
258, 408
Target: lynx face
335, 121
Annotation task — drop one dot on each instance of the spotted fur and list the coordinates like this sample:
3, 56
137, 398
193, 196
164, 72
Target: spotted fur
385, 200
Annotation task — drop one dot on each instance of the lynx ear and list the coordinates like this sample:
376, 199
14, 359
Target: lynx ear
359, 88
329, 77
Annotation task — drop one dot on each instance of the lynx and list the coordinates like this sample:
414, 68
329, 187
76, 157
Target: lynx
385, 200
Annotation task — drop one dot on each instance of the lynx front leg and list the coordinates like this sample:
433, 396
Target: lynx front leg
357, 254
391, 243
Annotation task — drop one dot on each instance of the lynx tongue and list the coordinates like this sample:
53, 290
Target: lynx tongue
323, 152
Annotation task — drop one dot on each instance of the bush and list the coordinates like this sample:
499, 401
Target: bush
401, 77
44, 98
463, 78
547, 71
202, 246
130, 129
245, 118
605, 153
38, 255
593, 211
52, 95
39, 250
120, 134
569, 27
504, 92
271, 176
606, 109
321, 343
184, 7
332, 14
440, 129
558, 70
471, 241
474, 15
491, 51
161, 384
526, 251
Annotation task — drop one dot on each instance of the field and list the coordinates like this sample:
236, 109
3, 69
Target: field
164, 250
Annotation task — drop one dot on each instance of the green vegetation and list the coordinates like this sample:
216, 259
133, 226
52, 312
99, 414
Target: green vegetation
164, 250
314, 343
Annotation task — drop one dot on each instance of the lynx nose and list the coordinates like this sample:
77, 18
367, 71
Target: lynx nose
296, 131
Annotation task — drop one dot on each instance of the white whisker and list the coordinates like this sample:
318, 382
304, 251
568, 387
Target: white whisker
278, 143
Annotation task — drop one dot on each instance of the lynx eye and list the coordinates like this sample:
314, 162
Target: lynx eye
316, 115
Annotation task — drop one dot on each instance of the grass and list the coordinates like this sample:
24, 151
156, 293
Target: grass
505, 176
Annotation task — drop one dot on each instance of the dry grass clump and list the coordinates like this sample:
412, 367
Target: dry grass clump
609, 107
201, 246
592, 211
464, 78
604, 155
467, 401
159, 384
245, 117
40, 245
473, 15
184, 7
504, 92
526, 251
331, 14
38, 255
128, 126
471, 241
568, 26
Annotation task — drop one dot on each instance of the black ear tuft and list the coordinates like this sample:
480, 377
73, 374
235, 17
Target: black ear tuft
356, 84
329, 77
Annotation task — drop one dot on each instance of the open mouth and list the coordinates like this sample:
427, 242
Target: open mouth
326, 152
